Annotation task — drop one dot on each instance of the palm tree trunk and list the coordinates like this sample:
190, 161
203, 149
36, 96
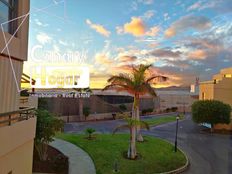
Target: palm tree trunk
139, 136
81, 110
132, 153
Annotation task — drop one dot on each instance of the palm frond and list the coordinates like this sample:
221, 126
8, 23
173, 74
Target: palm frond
146, 88
158, 77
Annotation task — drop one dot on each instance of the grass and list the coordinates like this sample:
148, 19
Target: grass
156, 155
160, 120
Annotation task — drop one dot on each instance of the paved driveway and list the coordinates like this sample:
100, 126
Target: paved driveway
208, 154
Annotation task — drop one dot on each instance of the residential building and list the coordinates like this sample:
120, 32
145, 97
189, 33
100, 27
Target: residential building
17, 127
219, 88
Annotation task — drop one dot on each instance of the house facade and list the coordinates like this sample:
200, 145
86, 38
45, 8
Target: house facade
17, 126
219, 88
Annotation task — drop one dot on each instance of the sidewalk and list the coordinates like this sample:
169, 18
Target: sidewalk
79, 161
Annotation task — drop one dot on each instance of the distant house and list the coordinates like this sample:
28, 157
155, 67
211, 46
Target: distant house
219, 88
17, 126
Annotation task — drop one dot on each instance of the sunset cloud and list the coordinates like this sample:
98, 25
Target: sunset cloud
197, 54
98, 28
103, 59
137, 28
165, 53
188, 22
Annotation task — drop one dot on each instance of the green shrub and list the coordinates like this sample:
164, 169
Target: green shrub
46, 127
174, 109
89, 132
168, 109
211, 112
86, 111
145, 111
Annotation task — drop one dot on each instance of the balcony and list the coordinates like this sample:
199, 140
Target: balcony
17, 133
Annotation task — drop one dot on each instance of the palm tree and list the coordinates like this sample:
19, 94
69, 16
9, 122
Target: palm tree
80, 100
131, 125
137, 84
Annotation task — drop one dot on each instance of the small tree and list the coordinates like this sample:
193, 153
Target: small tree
211, 111
89, 132
46, 127
131, 124
86, 111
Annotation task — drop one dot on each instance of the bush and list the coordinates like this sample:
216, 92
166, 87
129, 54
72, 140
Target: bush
145, 111
167, 109
211, 112
86, 111
174, 109
89, 132
46, 127
122, 107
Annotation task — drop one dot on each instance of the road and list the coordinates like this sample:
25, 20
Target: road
208, 153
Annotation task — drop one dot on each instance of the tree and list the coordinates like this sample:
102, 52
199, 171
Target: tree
86, 111
89, 132
80, 100
211, 112
137, 83
46, 127
131, 124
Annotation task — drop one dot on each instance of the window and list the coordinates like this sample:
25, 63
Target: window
8, 11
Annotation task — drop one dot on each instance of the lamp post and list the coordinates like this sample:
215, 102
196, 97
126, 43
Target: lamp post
177, 120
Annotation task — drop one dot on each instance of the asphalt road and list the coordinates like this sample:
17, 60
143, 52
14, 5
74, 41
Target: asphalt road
208, 153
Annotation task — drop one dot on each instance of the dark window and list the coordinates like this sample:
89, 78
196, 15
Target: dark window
8, 11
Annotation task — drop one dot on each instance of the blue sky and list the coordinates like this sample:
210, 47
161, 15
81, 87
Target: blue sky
182, 39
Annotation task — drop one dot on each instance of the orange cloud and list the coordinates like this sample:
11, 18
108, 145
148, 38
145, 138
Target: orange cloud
137, 28
98, 28
197, 54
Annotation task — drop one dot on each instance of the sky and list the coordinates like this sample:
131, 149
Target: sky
182, 39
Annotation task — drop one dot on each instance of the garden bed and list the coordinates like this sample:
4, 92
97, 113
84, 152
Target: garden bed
108, 153
56, 163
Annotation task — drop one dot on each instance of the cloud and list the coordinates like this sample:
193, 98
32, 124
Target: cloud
148, 14
153, 31
194, 6
43, 38
127, 59
137, 28
165, 53
201, 5
188, 22
98, 28
103, 59
146, 2
166, 16
39, 23
64, 43
197, 54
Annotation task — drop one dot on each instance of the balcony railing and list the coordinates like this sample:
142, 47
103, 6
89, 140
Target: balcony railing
9, 118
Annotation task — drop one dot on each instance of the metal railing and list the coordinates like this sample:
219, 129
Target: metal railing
9, 118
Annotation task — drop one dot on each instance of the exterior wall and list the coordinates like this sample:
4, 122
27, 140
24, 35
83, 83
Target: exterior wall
16, 153
183, 102
9, 94
223, 91
206, 89
18, 52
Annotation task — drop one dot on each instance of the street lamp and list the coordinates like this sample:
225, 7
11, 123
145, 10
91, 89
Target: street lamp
177, 119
